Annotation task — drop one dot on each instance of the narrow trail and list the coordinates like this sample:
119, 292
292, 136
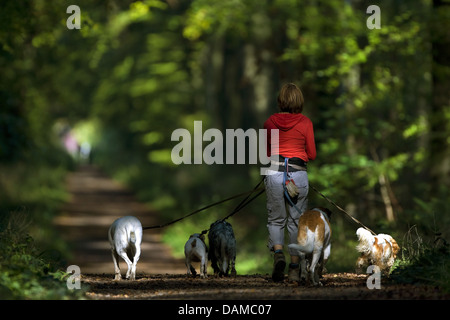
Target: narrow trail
96, 201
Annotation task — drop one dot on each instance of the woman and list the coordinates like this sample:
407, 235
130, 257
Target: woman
296, 143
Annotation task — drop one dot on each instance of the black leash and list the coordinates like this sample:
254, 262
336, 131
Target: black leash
338, 207
244, 202
240, 206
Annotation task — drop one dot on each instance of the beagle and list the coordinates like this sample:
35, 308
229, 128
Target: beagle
313, 242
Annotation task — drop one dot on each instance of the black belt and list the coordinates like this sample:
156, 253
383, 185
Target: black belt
295, 164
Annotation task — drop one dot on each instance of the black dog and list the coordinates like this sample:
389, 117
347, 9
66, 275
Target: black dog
222, 248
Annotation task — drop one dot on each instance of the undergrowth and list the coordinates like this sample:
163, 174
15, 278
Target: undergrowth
423, 262
32, 255
25, 273
425, 254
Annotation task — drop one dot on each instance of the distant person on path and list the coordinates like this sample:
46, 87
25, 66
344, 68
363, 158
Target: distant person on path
296, 147
71, 144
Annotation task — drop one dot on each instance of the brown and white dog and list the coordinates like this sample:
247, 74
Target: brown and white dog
380, 250
196, 250
314, 242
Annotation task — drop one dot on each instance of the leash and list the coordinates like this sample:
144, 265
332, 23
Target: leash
339, 208
244, 202
240, 206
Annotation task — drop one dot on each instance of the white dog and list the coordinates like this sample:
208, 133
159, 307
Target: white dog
195, 250
380, 250
314, 235
125, 237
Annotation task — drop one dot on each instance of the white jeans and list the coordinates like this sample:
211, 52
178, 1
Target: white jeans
280, 213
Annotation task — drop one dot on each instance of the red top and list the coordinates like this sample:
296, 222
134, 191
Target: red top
296, 136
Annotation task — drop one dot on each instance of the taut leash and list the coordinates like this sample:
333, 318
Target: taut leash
345, 212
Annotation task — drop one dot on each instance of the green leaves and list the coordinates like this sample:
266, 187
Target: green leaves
24, 275
218, 17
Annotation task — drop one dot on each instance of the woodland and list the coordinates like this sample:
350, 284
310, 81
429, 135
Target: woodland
135, 71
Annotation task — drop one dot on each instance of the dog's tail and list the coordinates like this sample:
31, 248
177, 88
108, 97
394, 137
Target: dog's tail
132, 237
194, 243
303, 249
305, 244
296, 247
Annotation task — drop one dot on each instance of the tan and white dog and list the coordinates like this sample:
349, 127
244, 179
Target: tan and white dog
380, 250
314, 242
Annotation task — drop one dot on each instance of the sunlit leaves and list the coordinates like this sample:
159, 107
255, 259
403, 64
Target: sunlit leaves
206, 16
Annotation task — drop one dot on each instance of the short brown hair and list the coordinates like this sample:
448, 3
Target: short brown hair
290, 99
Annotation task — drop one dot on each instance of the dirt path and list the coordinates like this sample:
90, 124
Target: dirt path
96, 201
340, 286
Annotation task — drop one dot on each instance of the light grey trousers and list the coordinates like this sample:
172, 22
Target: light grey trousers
280, 213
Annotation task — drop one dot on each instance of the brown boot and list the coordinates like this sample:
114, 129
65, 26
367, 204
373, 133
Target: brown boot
279, 263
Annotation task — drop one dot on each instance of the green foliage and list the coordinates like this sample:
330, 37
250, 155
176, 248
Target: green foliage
425, 252
423, 262
36, 188
24, 273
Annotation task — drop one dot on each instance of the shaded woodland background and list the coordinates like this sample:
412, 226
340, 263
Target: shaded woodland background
137, 70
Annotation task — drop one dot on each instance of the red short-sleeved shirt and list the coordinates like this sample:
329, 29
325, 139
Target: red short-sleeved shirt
296, 136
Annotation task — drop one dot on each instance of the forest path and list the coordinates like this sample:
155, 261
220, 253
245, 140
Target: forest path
95, 202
